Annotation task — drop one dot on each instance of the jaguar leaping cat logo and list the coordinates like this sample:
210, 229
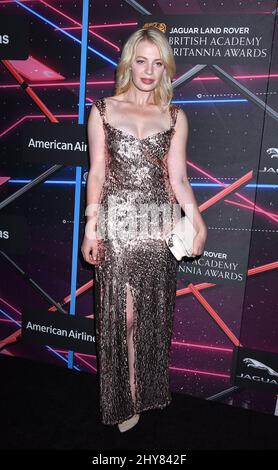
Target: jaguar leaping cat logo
272, 152
259, 365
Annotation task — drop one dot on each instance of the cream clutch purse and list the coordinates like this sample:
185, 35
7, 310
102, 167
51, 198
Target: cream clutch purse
180, 238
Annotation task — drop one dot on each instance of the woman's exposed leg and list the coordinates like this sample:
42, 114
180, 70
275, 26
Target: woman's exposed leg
130, 341
129, 423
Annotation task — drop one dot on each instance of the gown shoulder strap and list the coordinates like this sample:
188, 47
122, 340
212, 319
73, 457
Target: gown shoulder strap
101, 106
174, 109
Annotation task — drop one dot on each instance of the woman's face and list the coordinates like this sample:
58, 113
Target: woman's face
147, 64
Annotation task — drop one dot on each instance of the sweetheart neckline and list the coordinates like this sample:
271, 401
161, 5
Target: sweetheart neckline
133, 136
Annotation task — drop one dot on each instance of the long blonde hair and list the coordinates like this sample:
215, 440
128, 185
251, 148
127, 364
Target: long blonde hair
163, 93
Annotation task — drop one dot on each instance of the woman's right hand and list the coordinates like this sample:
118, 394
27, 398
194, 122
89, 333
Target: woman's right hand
91, 250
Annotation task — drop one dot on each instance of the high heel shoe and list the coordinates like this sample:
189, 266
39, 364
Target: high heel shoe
129, 423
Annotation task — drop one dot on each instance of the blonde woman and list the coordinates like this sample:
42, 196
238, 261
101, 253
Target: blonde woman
137, 146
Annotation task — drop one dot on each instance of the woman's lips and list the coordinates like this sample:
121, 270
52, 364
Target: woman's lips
147, 80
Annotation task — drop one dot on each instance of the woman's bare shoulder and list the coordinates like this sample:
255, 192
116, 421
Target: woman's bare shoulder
115, 98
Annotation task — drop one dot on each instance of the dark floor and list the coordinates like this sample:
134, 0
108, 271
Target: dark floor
47, 407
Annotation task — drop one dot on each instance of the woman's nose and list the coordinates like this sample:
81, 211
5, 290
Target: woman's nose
149, 70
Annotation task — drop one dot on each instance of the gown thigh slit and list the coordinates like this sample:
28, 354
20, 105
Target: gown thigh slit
131, 332
135, 280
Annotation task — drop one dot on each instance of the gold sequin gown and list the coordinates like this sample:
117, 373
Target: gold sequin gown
136, 173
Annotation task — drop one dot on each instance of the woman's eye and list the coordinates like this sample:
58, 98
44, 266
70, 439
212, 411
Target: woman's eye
140, 61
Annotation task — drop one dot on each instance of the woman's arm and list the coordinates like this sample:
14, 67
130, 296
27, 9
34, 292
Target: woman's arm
179, 181
96, 174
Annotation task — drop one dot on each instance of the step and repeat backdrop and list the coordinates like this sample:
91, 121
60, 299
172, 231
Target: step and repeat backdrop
56, 59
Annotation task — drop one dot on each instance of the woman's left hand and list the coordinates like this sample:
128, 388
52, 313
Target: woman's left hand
199, 243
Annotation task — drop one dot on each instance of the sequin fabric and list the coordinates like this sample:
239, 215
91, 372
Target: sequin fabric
136, 174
